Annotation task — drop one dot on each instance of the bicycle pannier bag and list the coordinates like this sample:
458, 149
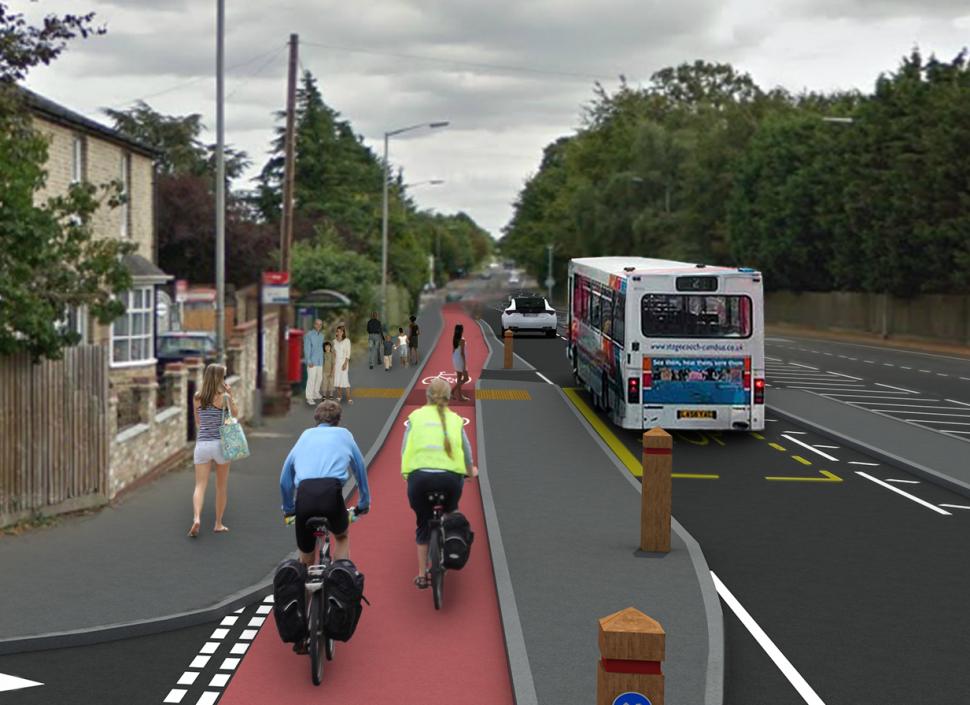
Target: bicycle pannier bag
343, 592
458, 539
289, 600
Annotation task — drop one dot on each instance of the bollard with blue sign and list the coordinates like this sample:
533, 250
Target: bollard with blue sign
631, 656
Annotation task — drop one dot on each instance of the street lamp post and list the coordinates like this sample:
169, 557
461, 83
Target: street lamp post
220, 183
387, 136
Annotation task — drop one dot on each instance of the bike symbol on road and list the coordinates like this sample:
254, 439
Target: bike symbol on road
631, 699
449, 377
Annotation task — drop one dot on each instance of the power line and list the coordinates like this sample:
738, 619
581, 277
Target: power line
253, 74
470, 64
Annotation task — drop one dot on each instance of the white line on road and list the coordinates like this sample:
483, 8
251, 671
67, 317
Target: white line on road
807, 367
829, 447
817, 388
839, 374
879, 396
948, 423
797, 433
898, 389
925, 371
940, 374
955, 506
965, 379
208, 698
954, 401
903, 482
14, 683
922, 406
800, 685
905, 368
923, 413
549, 381
773, 359
869, 362
907, 495
175, 695
859, 462
811, 448
962, 433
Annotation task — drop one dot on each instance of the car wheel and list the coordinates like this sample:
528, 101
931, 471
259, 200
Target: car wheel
550, 334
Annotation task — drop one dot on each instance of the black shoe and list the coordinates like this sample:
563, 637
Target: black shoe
300, 647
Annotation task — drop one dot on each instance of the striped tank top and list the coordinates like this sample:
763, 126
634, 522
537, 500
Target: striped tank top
210, 419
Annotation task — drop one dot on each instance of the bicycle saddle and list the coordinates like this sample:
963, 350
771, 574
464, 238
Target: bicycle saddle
318, 523
437, 497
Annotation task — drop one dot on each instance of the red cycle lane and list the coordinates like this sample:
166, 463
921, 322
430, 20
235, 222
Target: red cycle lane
404, 652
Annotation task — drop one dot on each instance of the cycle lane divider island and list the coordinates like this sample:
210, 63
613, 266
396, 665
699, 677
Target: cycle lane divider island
401, 640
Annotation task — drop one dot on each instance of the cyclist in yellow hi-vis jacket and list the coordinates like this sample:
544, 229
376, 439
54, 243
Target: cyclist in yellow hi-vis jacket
435, 456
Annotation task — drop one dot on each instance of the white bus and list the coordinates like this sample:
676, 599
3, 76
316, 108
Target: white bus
669, 344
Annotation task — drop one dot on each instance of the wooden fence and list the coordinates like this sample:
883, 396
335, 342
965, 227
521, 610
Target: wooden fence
53, 433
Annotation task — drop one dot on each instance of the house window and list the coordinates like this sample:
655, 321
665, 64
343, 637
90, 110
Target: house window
77, 160
131, 334
75, 320
126, 195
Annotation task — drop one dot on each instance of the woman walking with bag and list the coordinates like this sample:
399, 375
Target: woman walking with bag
211, 404
341, 365
459, 362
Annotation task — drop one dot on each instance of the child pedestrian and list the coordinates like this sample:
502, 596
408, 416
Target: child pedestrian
402, 346
329, 357
388, 351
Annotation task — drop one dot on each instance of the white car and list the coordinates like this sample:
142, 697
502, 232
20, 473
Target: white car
514, 279
528, 312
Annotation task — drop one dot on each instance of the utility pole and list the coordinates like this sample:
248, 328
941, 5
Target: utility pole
384, 236
286, 221
220, 182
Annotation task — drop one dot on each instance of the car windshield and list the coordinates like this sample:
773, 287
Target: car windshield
172, 344
530, 304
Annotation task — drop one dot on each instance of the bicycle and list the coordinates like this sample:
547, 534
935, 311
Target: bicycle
436, 548
315, 584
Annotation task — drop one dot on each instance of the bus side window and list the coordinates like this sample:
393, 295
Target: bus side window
619, 312
594, 309
606, 314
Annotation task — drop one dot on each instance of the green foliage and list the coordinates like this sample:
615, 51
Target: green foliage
324, 264
49, 258
703, 165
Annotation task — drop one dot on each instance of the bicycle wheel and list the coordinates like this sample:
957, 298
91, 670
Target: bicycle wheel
316, 635
437, 569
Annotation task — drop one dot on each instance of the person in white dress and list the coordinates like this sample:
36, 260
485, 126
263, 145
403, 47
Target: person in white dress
341, 367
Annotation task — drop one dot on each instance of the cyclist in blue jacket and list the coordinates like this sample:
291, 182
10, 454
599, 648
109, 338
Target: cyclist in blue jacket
313, 477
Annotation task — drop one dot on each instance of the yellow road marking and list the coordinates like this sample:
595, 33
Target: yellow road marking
777, 447
378, 392
504, 394
758, 436
632, 463
828, 477
802, 460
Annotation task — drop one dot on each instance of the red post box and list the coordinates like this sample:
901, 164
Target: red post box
294, 370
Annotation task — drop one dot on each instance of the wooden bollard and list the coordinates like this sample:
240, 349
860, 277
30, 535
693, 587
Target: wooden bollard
655, 498
508, 349
631, 653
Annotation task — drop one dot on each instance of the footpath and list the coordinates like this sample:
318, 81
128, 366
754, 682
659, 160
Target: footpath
130, 569
569, 514
403, 650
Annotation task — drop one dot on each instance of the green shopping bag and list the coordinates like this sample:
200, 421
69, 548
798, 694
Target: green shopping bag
231, 434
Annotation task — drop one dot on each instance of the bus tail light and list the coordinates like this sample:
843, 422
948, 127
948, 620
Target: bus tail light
759, 391
633, 391
647, 373
747, 374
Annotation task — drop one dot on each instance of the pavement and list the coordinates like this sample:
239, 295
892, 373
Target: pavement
569, 519
130, 569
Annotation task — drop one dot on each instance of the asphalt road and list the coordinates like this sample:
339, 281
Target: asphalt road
860, 588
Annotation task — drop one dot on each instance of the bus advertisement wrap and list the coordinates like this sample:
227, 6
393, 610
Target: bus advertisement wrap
697, 380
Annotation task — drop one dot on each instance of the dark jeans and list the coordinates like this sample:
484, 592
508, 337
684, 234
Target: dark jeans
375, 343
420, 483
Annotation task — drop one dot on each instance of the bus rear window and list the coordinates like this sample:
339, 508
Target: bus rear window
695, 316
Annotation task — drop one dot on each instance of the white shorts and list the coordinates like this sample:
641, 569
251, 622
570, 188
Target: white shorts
208, 450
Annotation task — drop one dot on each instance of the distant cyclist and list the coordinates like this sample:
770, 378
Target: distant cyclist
435, 456
313, 478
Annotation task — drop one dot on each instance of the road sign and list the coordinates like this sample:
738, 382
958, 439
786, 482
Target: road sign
181, 288
276, 288
631, 699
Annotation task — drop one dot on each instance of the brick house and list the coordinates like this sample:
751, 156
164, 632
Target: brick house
81, 149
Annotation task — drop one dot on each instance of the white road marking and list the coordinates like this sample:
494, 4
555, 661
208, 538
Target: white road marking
829, 447
817, 388
940, 374
800, 685
854, 359
219, 680
219, 634
268, 598
954, 401
859, 462
839, 374
175, 695
948, 423
796, 433
898, 389
188, 678
8, 683
955, 506
907, 495
208, 698
238, 649
548, 381
925, 371
811, 448
905, 368
209, 647
903, 482
256, 621
888, 364
807, 367
563, 338
924, 413
962, 433
239, 611
228, 621
264, 609
965, 379
229, 664
869, 362
925, 406
249, 634
772, 420
773, 359
828, 354
199, 662
870, 395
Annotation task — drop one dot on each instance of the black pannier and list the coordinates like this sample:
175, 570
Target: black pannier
343, 592
289, 600
458, 537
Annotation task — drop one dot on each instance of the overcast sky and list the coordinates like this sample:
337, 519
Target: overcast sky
385, 64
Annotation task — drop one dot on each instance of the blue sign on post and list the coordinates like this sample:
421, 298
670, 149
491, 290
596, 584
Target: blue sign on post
631, 699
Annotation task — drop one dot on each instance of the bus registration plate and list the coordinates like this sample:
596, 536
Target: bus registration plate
696, 414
